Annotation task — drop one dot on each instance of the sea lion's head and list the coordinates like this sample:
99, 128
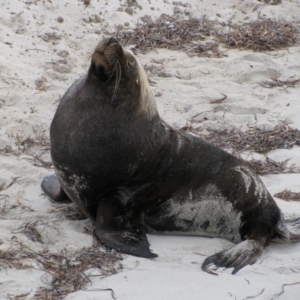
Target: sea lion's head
111, 60
114, 65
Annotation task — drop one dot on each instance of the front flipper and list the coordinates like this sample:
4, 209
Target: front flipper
115, 231
130, 241
52, 188
237, 257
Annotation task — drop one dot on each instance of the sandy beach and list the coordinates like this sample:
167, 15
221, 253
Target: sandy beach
45, 46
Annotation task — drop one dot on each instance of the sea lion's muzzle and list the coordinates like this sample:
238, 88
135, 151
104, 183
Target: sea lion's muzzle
112, 40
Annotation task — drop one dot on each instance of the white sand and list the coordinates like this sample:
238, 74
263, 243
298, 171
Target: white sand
176, 274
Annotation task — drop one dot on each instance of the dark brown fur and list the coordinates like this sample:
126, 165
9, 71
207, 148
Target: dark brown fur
127, 169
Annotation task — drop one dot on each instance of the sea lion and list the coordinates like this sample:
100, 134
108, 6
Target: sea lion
131, 172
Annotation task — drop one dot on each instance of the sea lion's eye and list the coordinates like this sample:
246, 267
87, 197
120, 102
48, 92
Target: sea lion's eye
130, 63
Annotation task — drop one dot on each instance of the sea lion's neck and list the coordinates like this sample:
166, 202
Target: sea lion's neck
135, 94
147, 105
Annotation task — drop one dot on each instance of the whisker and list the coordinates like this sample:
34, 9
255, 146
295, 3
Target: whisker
112, 73
118, 78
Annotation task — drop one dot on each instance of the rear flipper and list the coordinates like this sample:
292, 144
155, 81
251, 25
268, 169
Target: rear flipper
237, 257
52, 188
293, 226
293, 221
288, 231
112, 232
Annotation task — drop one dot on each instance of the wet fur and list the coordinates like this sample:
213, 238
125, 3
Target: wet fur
126, 168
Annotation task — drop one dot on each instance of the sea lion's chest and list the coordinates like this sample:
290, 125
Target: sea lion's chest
107, 143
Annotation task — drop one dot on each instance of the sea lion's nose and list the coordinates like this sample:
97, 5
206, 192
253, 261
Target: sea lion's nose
112, 40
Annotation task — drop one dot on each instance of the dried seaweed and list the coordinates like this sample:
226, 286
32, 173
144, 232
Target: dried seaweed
155, 70
271, 2
31, 231
70, 212
254, 139
40, 84
288, 195
282, 289
263, 34
269, 166
279, 83
252, 297
4, 187
202, 36
4, 207
25, 143
219, 100
66, 269
173, 33
39, 162
18, 297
